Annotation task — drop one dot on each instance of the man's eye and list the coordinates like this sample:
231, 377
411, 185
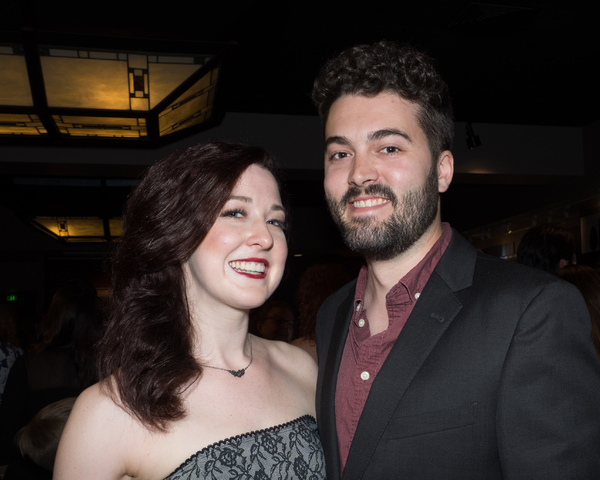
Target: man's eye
338, 155
390, 149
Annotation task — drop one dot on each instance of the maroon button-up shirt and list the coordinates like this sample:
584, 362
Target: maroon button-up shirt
364, 353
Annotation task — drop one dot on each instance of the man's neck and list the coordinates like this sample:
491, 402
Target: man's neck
384, 274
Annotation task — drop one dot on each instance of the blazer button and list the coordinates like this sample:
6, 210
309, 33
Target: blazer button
365, 375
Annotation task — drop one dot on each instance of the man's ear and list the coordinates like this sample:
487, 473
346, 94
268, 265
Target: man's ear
445, 167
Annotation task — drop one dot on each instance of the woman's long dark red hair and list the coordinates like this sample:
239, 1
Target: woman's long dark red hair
147, 347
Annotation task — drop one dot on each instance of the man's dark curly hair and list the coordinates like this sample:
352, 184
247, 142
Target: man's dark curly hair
369, 70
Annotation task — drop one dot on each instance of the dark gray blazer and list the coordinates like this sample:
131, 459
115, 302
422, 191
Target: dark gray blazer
494, 376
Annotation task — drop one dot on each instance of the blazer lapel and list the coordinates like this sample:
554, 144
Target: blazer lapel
328, 383
432, 314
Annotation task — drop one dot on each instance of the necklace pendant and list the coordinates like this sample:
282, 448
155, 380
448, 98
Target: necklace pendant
236, 373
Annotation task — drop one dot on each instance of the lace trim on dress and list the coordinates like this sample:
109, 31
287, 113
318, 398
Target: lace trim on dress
291, 450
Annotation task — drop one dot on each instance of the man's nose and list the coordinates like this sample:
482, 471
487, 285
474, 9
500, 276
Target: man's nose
363, 171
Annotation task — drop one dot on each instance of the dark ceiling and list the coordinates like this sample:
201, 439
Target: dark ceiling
521, 62
506, 62
513, 62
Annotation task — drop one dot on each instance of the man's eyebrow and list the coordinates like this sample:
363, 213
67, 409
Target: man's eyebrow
373, 136
337, 140
387, 132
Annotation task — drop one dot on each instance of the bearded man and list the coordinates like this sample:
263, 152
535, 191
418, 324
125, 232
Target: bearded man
438, 362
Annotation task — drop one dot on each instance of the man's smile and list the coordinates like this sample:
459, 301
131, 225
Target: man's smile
369, 202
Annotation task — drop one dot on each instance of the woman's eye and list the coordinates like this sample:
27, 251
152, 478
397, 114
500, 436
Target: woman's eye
277, 223
233, 213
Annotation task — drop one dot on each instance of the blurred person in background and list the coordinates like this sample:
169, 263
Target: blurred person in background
61, 364
548, 247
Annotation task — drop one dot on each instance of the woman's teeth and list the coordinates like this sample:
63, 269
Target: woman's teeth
248, 267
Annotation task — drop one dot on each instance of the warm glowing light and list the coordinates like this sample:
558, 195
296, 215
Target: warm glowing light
105, 93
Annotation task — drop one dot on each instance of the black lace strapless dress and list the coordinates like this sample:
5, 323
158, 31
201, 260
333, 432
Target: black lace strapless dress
291, 451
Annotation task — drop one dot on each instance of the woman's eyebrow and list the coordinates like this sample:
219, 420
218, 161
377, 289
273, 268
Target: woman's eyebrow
275, 207
241, 198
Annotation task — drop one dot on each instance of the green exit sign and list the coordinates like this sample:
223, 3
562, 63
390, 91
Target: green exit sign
11, 296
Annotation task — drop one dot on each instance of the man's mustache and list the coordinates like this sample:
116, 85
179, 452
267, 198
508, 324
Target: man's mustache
373, 189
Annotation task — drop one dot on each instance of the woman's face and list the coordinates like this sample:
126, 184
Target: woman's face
241, 260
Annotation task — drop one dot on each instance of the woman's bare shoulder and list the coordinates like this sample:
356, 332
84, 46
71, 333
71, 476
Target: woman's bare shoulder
97, 430
291, 358
95, 404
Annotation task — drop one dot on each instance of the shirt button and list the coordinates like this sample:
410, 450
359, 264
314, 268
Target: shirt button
361, 322
364, 375
358, 307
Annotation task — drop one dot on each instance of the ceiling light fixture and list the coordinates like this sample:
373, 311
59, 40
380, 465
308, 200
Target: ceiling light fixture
64, 90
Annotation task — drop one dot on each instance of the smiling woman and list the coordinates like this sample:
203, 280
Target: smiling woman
240, 261
182, 380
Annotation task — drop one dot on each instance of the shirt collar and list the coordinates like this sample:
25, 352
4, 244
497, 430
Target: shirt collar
414, 281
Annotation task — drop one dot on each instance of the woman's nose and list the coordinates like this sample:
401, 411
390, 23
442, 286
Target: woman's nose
260, 235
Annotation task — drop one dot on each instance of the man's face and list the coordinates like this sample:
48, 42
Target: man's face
381, 185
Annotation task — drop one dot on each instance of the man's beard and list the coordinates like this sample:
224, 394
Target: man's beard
384, 240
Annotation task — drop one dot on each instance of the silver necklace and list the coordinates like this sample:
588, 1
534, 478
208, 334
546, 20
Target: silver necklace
235, 373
